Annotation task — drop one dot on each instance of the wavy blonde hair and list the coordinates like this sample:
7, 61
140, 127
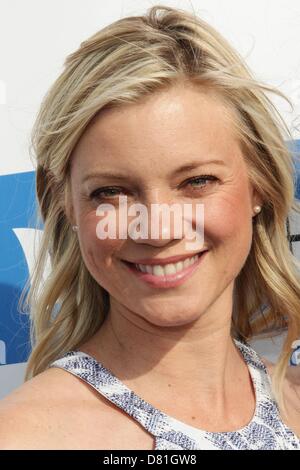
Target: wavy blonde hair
121, 64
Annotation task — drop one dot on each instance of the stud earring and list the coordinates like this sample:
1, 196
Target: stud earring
75, 228
295, 356
257, 209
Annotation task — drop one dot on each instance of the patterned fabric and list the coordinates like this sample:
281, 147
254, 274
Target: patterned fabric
265, 431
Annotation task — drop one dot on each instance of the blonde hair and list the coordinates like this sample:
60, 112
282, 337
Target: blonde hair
121, 64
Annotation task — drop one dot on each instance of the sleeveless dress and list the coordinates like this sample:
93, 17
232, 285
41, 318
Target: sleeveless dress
265, 431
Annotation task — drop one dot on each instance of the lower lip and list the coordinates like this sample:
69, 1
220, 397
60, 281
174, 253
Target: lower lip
170, 280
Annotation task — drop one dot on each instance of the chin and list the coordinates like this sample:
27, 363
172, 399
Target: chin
169, 321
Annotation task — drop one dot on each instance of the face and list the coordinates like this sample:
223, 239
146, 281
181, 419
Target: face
145, 144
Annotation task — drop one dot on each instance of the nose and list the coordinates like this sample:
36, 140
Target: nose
165, 220
156, 235
160, 219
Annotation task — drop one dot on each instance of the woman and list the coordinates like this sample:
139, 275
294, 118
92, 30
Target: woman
160, 109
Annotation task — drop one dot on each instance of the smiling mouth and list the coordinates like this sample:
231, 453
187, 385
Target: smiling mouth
163, 270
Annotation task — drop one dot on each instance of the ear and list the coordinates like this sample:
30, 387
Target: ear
256, 199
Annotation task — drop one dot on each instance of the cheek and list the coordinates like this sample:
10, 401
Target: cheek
228, 220
97, 252
228, 228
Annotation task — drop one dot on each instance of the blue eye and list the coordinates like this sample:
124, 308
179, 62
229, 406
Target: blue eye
201, 179
111, 191
105, 192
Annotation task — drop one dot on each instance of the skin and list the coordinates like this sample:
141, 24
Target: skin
154, 340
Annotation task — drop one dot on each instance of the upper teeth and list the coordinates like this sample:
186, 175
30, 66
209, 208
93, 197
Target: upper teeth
172, 268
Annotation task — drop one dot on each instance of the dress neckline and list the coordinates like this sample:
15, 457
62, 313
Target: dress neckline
258, 374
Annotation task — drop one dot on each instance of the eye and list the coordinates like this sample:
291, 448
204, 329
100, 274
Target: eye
104, 193
198, 181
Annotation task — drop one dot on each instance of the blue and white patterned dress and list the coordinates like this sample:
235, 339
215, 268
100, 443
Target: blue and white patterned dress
266, 429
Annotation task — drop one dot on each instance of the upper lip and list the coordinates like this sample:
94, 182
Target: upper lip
172, 259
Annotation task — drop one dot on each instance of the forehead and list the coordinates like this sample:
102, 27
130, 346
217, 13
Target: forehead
175, 124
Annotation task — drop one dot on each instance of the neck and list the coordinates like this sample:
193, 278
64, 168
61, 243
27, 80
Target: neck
200, 357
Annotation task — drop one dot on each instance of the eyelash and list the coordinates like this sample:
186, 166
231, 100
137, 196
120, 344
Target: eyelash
95, 194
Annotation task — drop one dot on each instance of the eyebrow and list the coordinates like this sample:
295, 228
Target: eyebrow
182, 169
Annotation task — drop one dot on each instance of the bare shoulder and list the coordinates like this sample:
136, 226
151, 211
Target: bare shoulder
57, 410
48, 385
291, 392
32, 414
